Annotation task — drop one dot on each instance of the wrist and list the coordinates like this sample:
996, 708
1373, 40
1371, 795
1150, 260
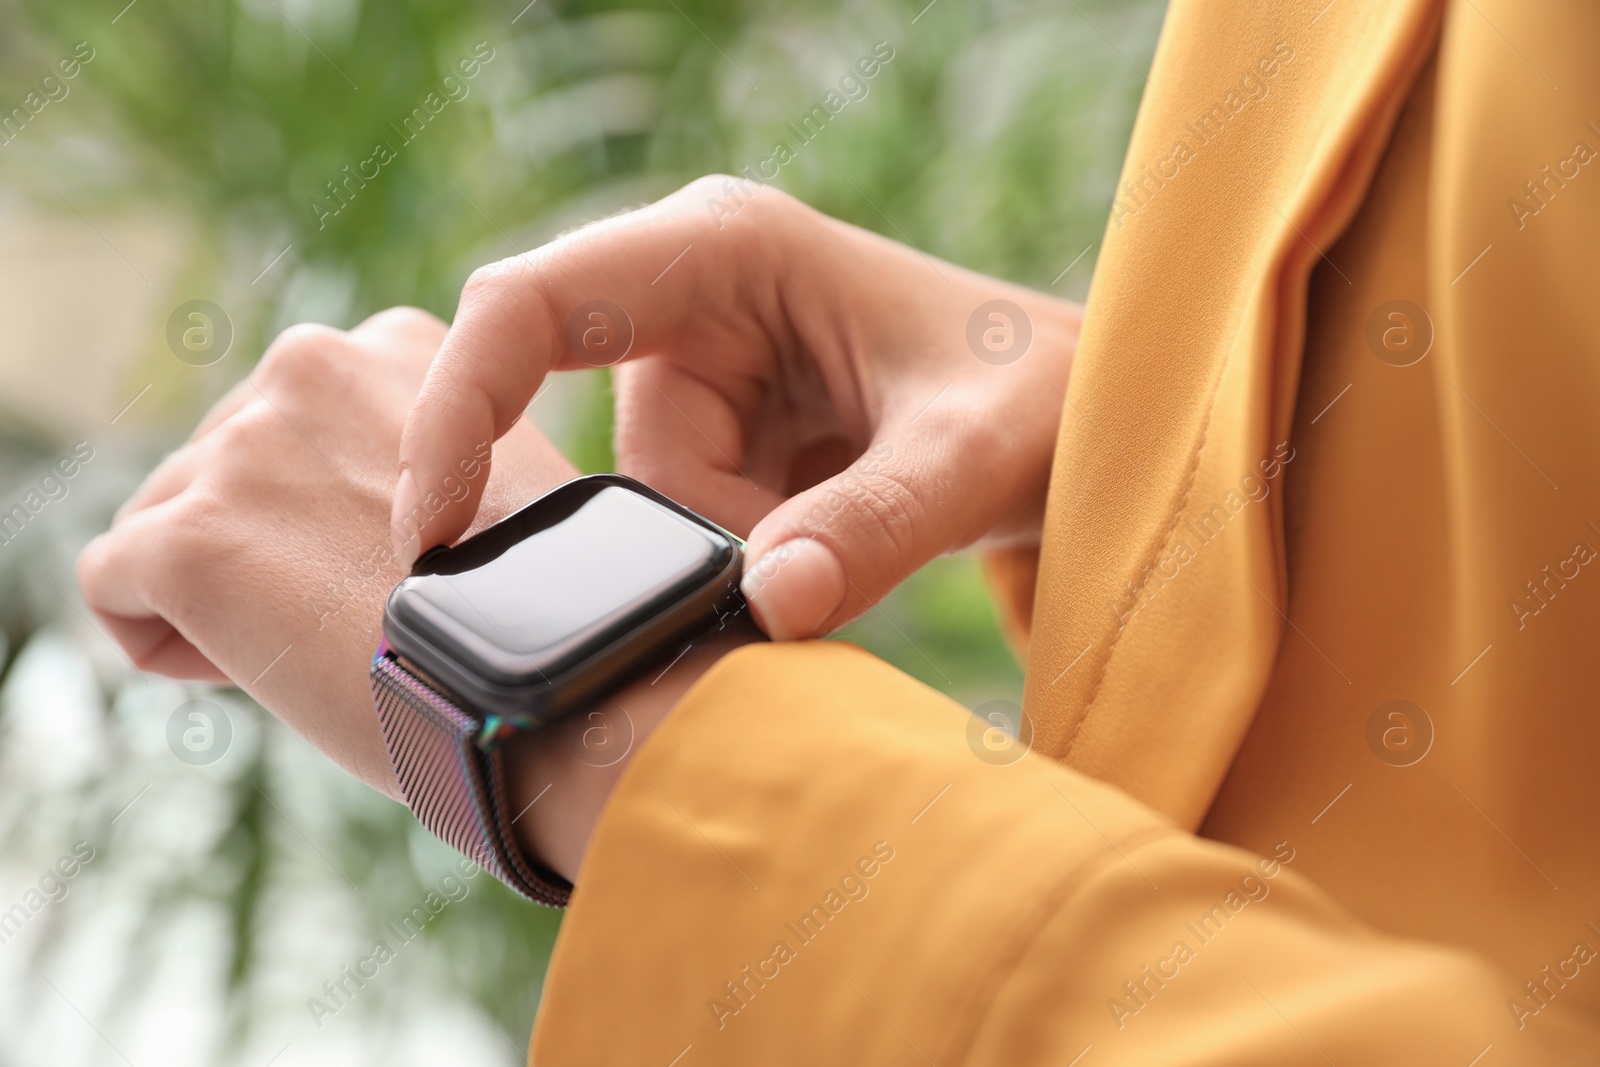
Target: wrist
561, 776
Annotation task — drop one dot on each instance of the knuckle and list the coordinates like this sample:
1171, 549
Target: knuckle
403, 319
729, 201
304, 352
304, 336
482, 278
507, 285
491, 279
236, 434
242, 452
708, 186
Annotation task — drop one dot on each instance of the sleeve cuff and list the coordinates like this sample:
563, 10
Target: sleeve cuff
807, 829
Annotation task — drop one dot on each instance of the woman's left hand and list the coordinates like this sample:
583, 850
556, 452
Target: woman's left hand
260, 551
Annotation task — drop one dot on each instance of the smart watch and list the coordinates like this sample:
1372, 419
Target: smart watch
542, 614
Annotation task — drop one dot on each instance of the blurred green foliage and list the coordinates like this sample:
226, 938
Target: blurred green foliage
993, 138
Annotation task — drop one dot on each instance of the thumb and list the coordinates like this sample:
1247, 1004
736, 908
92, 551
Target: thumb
827, 554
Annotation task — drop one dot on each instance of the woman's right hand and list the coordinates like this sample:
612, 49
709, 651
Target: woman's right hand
853, 406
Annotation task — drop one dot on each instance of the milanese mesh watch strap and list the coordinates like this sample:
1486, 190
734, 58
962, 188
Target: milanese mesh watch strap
455, 788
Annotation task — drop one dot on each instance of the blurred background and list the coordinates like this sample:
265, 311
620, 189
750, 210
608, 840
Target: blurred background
231, 870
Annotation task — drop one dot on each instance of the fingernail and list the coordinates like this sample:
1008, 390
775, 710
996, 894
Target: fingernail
794, 589
403, 529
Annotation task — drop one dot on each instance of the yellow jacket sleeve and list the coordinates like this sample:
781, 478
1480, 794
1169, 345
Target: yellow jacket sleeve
813, 862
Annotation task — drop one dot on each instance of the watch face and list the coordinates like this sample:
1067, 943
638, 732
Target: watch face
519, 605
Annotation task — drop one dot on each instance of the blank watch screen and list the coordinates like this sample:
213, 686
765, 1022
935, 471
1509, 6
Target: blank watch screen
556, 581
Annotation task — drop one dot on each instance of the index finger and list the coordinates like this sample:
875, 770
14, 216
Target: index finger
611, 291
